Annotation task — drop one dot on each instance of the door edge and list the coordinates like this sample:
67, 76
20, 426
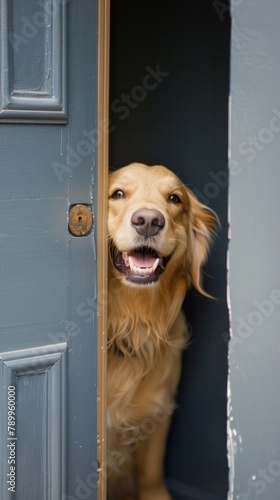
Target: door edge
102, 250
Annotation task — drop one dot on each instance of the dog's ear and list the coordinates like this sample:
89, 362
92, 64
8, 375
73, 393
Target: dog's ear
203, 228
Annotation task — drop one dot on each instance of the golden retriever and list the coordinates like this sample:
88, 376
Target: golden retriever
159, 237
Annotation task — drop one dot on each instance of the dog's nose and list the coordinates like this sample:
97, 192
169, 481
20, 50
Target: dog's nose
147, 222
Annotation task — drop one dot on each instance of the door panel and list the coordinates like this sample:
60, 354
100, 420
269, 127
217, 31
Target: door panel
48, 285
33, 61
39, 378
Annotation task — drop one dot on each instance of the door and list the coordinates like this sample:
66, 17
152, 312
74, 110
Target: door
49, 142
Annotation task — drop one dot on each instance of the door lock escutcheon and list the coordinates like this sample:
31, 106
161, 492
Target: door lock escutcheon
80, 220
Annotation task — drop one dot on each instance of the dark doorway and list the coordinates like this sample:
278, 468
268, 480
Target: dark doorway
169, 105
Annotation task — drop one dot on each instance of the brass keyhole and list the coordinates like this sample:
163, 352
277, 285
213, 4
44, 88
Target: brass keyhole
80, 220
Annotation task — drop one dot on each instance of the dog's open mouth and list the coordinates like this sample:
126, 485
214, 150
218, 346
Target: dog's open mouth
141, 265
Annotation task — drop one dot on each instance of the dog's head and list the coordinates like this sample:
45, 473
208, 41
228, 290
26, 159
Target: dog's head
156, 226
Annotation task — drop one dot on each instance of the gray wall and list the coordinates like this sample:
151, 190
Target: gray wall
254, 277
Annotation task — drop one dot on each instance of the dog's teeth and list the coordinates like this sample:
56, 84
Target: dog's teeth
125, 258
155, 265
142, 270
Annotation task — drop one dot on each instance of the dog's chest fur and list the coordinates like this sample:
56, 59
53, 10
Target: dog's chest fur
143, 356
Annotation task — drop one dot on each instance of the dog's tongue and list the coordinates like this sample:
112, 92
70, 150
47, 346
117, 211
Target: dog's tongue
143, 259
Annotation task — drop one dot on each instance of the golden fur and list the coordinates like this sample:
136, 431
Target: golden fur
147, 330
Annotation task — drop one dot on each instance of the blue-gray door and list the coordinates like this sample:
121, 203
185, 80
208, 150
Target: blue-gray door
48, 157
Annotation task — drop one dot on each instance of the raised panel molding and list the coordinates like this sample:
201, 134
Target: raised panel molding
33, 61
38, 376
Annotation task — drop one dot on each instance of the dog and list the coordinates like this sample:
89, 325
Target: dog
159, 238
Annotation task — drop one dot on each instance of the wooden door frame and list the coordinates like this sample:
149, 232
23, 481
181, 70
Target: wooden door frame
102, 246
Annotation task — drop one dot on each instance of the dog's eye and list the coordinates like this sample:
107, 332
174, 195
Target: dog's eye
174, 198
118, 194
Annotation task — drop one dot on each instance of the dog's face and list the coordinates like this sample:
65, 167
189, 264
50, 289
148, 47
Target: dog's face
156, 225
